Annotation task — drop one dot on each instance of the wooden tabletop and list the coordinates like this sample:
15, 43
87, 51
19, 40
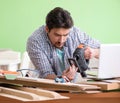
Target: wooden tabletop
109, 97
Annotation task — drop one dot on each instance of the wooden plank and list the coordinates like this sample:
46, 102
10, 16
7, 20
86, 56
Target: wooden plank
41, 92
49, 84
20, 95
29, 94
105, 85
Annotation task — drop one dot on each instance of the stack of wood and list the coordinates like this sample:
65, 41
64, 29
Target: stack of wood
51, 85
35, 89
29, 94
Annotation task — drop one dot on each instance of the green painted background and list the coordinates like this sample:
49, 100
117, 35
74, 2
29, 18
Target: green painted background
19, 18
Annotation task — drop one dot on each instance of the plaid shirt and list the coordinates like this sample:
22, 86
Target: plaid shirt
43, 54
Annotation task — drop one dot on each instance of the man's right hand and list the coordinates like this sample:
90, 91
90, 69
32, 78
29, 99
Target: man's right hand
69, 73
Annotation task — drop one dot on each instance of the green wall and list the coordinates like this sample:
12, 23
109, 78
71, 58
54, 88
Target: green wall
19, 18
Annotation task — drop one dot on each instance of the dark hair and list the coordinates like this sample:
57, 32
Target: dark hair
59, 18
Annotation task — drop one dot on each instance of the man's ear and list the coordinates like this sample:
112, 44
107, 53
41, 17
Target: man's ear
46, 29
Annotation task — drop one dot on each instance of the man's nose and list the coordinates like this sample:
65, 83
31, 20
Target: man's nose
62, 38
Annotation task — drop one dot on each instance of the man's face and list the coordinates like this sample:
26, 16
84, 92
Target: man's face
58, 36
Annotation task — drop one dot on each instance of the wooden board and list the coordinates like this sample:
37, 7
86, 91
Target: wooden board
105, 84
50, 84
29, 94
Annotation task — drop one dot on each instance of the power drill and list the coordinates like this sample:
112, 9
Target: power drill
79, 60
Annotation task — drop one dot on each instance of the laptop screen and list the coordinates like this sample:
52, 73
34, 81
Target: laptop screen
109, 61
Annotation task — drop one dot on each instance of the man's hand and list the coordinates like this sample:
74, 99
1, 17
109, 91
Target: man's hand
69, 73
90, 52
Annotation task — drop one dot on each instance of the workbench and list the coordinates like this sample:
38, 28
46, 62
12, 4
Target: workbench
107, 97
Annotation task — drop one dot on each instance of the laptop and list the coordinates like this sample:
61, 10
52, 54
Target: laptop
109, 62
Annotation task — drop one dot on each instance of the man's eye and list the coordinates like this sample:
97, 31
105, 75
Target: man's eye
57, 35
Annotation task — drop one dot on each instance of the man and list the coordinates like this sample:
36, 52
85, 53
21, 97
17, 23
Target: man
51, 45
